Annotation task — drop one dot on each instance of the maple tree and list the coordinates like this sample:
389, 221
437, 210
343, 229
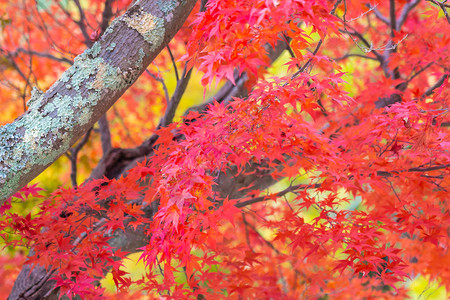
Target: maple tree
324, 179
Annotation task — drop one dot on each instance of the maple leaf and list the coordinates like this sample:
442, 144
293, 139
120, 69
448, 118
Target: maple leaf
295, 109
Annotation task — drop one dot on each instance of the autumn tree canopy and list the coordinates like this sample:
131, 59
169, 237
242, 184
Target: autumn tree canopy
247, 149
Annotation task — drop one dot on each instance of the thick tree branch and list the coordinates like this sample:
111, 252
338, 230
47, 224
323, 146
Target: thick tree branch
393, 20
57, 119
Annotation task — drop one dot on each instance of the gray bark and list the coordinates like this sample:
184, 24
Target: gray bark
57, 118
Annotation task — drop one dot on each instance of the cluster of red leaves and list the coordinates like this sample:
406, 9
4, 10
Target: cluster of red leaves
220, 42
394, 159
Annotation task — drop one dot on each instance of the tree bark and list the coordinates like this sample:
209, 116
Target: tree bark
57, 118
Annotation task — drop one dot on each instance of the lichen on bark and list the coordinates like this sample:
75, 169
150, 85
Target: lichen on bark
98, 77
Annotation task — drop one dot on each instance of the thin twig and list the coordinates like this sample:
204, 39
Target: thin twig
173, 63
176, 97
44, 55
431, 89
82, 23
354, 55
389, 144
418, 72
371, 8
434, 168
369, 46
73, 157
43, 27
302, 69
160, 80
379, 15
277, 195
443, 7
417, 169
333, 11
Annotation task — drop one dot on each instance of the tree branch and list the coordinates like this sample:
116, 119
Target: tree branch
354, 55
45, 55
99, 76
443, 6
410, 170
163, 84
431, 89
176, 97
393, 20
73, 154
404, 14
379, 15
277, 195
175, 69
106, 15
120, 160
105, 134
82, 22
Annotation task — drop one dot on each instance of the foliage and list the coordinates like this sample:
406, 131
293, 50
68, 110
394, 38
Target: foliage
356, 131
